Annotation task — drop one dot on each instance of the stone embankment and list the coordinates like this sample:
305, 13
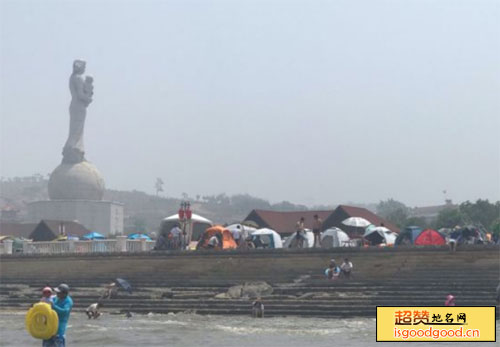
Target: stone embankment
291, 282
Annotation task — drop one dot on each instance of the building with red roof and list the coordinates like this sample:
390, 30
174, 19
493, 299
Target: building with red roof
284, 222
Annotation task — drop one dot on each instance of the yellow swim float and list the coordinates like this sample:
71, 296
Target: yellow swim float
42, 321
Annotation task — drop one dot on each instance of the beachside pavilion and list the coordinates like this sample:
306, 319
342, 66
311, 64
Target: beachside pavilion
284, 222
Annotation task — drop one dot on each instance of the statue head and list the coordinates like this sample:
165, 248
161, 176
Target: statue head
79, 66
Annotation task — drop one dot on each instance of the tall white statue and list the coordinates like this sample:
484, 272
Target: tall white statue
82, 91
76, 178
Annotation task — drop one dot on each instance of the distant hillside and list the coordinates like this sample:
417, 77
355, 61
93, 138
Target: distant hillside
144, 211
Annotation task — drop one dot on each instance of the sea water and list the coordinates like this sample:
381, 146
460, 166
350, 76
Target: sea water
204, 331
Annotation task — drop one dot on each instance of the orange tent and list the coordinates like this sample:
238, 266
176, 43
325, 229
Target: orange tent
430, 237
222, 233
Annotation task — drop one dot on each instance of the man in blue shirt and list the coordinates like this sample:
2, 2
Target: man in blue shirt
62, 304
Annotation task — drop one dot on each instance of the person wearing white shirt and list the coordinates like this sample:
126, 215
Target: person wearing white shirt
236, 232
346, 268
93, 310
176, 234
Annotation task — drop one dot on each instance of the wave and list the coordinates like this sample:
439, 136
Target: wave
278, 330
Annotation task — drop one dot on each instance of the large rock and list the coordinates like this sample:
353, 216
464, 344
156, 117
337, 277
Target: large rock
250, 290
234, 291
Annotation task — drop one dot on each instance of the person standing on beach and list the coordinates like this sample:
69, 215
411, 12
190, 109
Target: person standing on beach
317, 226
62, 304
236, 232
176, 233
299, 236
110, 290
258, 308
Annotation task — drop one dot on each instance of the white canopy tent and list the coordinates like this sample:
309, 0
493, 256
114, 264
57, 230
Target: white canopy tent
309, 242
194, 229
195, 218
380, 235
390, 238
334, 237
267, 238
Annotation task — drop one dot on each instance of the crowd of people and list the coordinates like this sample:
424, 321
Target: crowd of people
176, 238
62, 303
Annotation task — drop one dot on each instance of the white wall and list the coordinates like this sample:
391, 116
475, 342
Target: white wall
105, 217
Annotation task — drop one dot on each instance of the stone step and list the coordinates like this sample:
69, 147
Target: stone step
390, 293
323, 283
326, 302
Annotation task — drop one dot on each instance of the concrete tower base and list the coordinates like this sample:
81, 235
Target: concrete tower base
105, 217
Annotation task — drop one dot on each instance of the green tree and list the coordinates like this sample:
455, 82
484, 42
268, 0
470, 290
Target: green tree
417, 221
495, 227
449, 218
394, 211
481, 212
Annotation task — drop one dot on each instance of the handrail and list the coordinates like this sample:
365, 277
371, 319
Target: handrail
119, 244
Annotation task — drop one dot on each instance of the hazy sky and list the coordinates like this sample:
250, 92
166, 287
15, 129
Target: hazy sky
315, 102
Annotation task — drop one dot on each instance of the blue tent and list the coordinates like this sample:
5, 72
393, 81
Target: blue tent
139, 236
408, 235
93, 236
415, 231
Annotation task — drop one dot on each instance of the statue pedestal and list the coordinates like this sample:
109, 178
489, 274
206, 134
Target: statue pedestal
105, 217
77, 181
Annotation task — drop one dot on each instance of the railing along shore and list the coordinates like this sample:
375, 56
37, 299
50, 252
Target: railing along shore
120, 244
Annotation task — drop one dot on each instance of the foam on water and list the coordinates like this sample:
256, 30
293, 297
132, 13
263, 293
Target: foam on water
269, 330
207, 331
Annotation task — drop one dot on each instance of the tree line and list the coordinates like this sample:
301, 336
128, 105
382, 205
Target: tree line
481, 213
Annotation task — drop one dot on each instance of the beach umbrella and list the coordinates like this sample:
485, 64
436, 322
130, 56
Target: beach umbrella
139, 236
93, 236
124, 284
357, 222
